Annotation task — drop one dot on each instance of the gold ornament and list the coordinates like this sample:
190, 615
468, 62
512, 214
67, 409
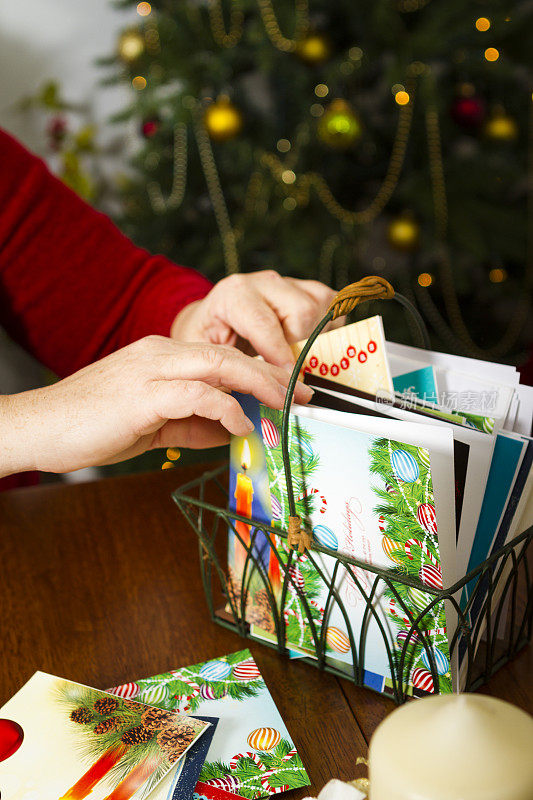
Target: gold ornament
130, 45
339, 126
501, 127
222, 120
403, 233
315, 48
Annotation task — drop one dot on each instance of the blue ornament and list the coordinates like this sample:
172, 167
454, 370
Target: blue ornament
215, 670
405, 466
325, 537
441, 662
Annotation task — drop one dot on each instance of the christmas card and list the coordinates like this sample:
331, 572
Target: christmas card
378, 499
180, 783
353, 355
60, 739
252, 753
480, 449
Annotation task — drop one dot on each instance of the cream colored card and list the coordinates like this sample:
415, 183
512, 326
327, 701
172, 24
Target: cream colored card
353, 356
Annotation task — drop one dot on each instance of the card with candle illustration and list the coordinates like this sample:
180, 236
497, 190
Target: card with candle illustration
61, 740
353, 355
371, 497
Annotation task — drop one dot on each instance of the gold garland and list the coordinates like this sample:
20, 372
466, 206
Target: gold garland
273, 30
457, 332
179, 176
302, 184
236, 26
227, 234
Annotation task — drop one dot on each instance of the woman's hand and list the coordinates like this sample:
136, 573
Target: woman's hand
262, 308
154, 393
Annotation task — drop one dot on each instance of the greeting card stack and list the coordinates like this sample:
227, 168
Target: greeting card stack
148, 739
412, 461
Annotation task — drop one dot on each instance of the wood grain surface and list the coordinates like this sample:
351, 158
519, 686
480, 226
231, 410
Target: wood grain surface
99, 583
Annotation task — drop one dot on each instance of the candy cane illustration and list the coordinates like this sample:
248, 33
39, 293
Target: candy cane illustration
264, 779
435, 632
268, 787
255, 758
392, 609
309, 492
410, 542
194, 686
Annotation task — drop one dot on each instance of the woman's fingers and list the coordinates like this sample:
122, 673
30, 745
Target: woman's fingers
179, 399
255, 320
227, 367
194, 433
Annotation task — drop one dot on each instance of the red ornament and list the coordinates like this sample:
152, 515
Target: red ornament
350, 351
323, 369
150, 127
371, 346
313, 362
11, 736
362, 357
246, 671
422, 679
270, 433
334, 369
431, 576
126, 690
427, 518
57, 130
344, 363
468, 112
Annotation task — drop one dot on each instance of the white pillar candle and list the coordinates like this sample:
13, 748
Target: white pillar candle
453, 747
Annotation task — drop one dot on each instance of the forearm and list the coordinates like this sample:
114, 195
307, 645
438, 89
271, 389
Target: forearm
18, 445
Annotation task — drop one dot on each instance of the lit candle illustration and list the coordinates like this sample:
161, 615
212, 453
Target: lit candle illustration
244, 493
274, 573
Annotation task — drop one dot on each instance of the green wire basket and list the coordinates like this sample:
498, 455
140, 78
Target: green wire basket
499, 589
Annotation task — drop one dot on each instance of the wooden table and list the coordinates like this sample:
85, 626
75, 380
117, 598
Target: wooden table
99, 583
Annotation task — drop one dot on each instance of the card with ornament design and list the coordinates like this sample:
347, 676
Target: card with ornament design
60, 739
366, 495
353, 355
252, 753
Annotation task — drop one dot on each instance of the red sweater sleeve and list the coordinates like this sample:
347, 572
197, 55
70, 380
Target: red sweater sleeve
73, 288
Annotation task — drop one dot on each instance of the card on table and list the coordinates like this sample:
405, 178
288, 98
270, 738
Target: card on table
252, 753
60, 739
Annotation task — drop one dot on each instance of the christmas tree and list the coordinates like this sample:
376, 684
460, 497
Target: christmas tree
333, 141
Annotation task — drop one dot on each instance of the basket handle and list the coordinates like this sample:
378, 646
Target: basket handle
373, 287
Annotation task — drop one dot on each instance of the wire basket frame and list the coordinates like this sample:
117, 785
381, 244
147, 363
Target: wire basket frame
493, 624
501, 587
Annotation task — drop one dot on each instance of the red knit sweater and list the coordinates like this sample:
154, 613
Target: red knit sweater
72, 287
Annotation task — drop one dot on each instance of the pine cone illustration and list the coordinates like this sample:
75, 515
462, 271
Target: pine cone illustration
105, 706
133, 705
154, 719
106, 725
174, 741
81, 715
137, 735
